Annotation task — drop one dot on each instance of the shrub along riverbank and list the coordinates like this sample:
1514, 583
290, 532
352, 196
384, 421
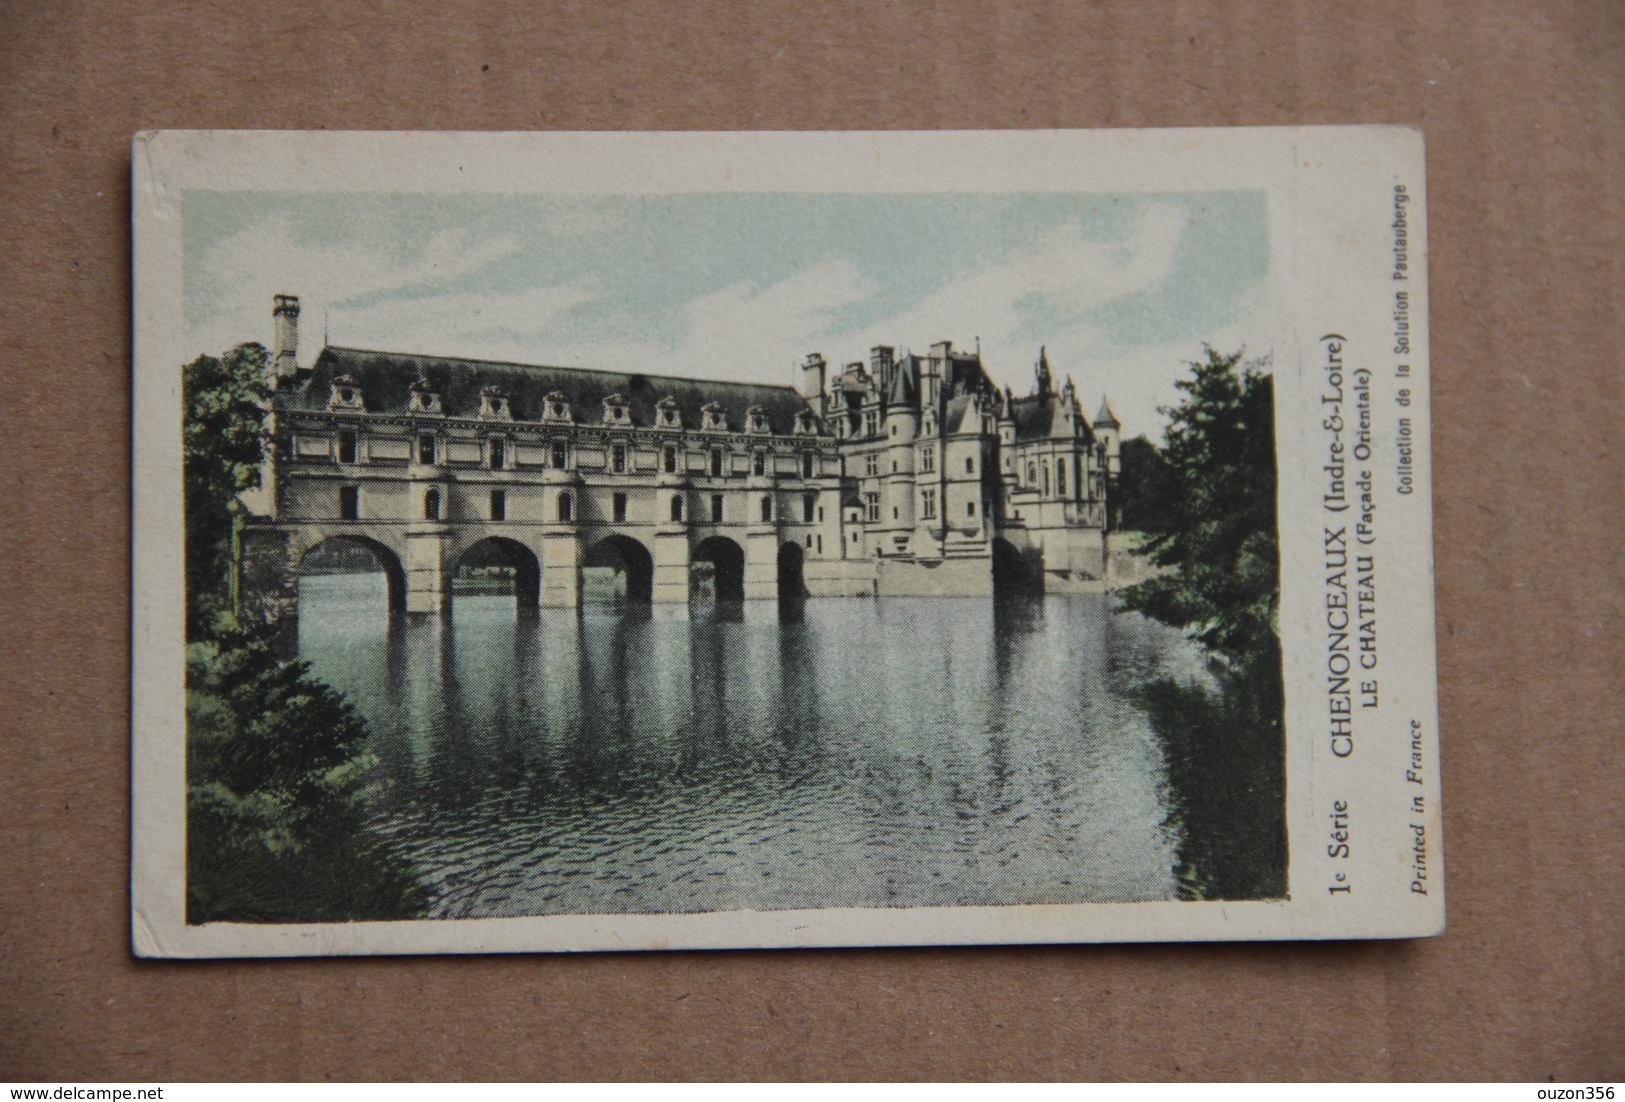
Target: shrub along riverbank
1205, 503
277, 765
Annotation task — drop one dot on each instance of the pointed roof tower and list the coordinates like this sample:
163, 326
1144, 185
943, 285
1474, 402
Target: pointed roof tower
1106, 416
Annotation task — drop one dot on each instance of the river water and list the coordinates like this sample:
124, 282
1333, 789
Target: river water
893, 752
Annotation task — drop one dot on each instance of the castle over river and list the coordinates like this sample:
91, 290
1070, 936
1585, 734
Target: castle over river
906, 475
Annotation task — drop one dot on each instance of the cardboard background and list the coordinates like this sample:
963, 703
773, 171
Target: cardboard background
1522, 105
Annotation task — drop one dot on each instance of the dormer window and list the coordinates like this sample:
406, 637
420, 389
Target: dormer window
494, 404
667, 413
714, 417
806, 423
616, 411
556, 408
425, 398
756, 420
346, 394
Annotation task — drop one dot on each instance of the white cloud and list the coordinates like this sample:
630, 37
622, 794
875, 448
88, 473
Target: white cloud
247, 268
1065, 273
744, 332
498, 326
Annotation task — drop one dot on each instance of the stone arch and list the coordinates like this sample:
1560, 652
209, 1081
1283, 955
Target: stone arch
727, 562
1017, 572
312, 558
499, 551
626, 556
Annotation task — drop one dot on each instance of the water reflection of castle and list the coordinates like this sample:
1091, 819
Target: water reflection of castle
913, 474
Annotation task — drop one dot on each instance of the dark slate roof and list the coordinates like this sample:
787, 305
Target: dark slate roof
385, 380
965, 373
1032, 417
1039, 418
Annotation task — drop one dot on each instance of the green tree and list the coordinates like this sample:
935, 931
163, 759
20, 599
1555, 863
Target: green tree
1212, 520
220, 449
1207, 504
1142, 489
277, 816
277, 763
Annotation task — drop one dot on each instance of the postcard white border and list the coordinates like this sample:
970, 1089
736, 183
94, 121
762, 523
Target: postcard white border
1330, 195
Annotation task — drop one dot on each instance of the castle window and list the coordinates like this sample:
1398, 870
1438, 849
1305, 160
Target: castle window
499, 505
928, 504
1046, 480
970, 465
619, 505
806, 464
494, 404
716, 508
894, 430
566, 507
895, 513
349, 502
497, 453
431, 505
820, 543
767, 508
894, 466
820, 514
617, 458
928, 460
808, 503
871, 465
1060, 478
559, 457
677, 507
1032, 473
871, 507
970, 508
670, 460
871, 422
716, 462
758, 463
854, 537
347, 448
426, 449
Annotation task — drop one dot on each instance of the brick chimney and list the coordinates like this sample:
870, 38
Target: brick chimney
285, 344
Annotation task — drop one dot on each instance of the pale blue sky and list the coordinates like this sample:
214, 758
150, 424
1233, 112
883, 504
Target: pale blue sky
1122, 288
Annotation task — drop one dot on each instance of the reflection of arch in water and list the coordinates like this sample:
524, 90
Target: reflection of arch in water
724, 581
1017, 573
627, 557
341, 555
792, 582
499, 565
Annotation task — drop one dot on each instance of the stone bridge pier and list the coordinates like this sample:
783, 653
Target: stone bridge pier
421, 559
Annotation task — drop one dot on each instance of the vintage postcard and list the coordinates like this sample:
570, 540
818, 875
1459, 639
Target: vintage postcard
655, 541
